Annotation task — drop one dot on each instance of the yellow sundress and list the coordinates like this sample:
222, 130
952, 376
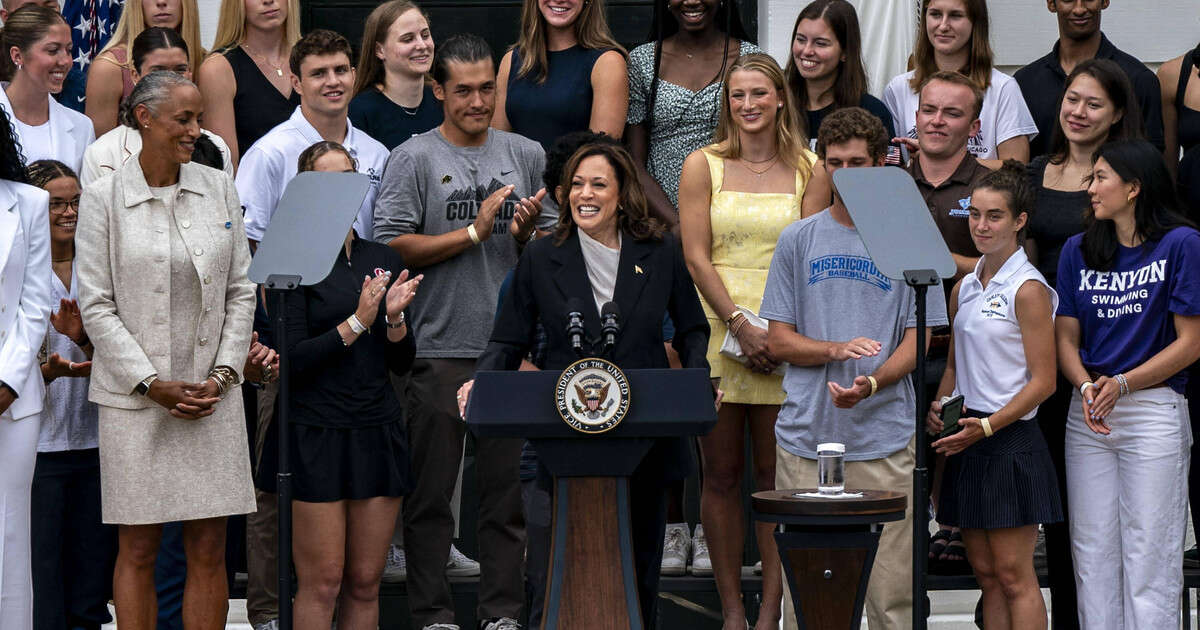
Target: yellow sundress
745, 228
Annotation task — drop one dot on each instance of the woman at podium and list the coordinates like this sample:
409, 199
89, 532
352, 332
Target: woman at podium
606, 248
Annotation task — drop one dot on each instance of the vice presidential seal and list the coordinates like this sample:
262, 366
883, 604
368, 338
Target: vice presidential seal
592, 395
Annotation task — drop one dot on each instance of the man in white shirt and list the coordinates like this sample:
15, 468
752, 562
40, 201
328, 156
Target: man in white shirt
324, 77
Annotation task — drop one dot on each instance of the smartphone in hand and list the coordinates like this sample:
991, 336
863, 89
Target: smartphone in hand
951, 411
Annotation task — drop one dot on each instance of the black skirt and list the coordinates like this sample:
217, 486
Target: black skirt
1007, 480
334, 464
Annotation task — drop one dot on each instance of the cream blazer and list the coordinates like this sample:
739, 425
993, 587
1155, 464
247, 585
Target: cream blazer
24, 293
124, 274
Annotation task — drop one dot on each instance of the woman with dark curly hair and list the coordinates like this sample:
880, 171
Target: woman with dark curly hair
24, 311
605, 243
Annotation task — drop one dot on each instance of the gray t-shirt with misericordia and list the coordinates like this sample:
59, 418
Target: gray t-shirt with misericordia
823, 282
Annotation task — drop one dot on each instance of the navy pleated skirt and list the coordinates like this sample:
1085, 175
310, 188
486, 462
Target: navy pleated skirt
336, 464
1007, 480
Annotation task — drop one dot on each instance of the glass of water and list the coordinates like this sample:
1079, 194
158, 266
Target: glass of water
831, 468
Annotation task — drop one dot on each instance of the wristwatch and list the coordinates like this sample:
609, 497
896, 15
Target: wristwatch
397, 324
143, 388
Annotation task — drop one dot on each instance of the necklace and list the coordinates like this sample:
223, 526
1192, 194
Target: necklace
263, 58
770, 162
58, 260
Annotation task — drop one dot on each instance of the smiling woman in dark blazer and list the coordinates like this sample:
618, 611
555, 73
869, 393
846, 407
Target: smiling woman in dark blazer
605, 247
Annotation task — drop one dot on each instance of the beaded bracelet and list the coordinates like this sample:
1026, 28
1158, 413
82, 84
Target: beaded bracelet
1123, 383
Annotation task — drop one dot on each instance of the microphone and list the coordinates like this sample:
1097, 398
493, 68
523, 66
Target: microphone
575, 325
610, 324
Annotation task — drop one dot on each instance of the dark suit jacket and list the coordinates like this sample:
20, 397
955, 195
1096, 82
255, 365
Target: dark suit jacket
652, 281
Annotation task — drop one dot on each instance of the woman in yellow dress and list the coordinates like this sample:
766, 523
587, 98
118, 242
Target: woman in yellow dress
735, 197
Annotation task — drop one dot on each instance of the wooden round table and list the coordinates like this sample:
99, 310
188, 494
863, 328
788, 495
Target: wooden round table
827, 547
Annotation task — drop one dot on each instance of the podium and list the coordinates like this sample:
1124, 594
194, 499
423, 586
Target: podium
590, 582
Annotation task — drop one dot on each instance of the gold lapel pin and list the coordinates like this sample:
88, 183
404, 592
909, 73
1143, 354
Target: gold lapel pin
637, 269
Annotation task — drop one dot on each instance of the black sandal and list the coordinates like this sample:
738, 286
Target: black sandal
954, 559
938, 543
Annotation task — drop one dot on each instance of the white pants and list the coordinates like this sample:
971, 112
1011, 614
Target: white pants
18, 452
1127, 495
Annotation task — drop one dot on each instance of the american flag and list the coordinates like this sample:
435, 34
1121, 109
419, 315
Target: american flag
92, 23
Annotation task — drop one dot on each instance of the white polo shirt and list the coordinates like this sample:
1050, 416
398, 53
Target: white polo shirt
270, 164
989, 358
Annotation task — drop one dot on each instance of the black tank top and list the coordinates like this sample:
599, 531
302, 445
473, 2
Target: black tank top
1189, 119
257, 105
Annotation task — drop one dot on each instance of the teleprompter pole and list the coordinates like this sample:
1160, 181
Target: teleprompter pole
920, 281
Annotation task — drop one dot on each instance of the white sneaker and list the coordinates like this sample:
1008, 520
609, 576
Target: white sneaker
503, 623
458, 565
701, 563
268, 625
395, 570
676, 546
441, 626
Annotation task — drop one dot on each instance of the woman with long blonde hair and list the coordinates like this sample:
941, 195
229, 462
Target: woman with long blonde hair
110, 79
393, 95
735, 197
565, 73
246, 82
953, 35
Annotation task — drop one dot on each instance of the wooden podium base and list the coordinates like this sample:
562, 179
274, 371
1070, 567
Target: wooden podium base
591, 583
827, 547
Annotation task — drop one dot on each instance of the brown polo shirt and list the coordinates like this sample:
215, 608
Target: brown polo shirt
948, 202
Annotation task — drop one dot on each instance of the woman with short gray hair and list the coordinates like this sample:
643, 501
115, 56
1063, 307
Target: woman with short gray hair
164, 296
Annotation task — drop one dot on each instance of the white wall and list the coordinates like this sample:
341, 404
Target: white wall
209, 9
1022, 30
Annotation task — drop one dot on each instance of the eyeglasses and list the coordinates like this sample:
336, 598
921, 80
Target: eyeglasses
60, 206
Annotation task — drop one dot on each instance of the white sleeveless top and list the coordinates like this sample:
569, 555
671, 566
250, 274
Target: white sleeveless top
989, 357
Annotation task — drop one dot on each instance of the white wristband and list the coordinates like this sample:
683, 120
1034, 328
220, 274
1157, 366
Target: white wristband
474, 234
1083, 387
356, 325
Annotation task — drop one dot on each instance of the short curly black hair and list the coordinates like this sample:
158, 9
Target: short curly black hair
561, 151
851, 123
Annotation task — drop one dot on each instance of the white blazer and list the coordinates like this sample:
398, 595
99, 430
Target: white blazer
24, 292
70, 131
